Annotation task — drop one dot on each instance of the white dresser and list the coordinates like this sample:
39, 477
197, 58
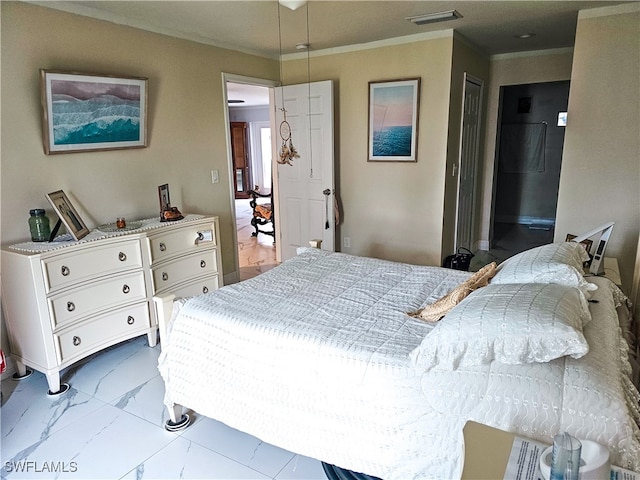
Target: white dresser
66, 300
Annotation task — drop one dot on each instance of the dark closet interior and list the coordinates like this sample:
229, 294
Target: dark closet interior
528, 162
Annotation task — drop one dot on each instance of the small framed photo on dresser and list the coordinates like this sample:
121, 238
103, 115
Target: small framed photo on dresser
68, 215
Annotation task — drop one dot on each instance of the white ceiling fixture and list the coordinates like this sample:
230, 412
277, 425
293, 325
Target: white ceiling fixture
292, 4
435, 17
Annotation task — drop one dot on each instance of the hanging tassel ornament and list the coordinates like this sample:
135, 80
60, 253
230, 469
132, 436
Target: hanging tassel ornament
287, 151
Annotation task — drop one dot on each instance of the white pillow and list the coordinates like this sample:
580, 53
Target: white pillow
510, 323
559, 263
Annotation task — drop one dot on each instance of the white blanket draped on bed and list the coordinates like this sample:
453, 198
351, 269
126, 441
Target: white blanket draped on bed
313, 357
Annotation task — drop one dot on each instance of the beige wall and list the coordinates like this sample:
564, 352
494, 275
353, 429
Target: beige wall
187, 136
512, 69
390, 210
600, 178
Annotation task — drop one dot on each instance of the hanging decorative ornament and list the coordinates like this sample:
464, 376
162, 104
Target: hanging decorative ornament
287, 151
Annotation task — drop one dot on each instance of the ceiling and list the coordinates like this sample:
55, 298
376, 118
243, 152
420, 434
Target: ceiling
253, 26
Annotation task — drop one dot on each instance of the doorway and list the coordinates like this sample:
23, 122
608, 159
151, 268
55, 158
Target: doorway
528, 163
248, 121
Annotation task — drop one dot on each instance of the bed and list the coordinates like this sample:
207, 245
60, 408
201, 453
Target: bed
332, 366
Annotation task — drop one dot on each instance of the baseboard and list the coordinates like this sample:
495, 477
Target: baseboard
481, 245
233, 277
11, 367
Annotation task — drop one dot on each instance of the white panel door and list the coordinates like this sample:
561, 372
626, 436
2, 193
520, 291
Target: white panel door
304, 190
468, 161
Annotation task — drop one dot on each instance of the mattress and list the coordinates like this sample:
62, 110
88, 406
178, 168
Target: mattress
314, 357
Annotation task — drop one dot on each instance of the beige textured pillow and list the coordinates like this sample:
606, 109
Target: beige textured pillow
435, 311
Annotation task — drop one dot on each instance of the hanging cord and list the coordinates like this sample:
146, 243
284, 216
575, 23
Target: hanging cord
287, 151
280, 59
309, 96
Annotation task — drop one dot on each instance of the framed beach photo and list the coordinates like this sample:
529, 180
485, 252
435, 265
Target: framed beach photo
83, 112
393, 120
68, 215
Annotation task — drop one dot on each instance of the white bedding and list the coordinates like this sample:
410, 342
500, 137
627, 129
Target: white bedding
313, 356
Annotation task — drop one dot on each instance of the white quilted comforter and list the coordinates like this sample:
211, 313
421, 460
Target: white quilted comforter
313, 357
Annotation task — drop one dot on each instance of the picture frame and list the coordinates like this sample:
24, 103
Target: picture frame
586, 244
86, 112
67, 214
393, 120
163, 197
167, 212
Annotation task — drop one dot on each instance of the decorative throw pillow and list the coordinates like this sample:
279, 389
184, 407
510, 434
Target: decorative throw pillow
435, 311
511, 324
559, 263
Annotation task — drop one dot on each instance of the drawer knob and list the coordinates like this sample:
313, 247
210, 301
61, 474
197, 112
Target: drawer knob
76, 341
205, 289
125, 288
165, 277
163, 247
203, 264
71, 306
65, 271
122, 256
130, 320
200, 236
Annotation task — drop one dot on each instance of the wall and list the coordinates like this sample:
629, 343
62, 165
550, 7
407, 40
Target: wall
600, 178
389, 210
187, 135
511, 69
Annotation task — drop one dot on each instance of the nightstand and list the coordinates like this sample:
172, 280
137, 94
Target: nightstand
611, 271
486, 451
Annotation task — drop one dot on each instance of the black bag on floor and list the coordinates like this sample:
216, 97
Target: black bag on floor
459, 261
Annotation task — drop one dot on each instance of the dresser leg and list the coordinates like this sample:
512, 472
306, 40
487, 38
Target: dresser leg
22, 371
152, 337
55, 387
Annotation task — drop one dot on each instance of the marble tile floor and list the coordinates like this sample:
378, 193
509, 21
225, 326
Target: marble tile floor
109, 425
256, 255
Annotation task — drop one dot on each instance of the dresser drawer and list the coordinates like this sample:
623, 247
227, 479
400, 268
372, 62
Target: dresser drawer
169, 274
65, 270
95, 297
195, 287
184, 240
95, 334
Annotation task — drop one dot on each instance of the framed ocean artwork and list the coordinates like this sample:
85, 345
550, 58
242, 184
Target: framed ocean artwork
393, 120
84, 112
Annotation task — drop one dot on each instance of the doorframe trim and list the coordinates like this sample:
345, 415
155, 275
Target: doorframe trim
234, 277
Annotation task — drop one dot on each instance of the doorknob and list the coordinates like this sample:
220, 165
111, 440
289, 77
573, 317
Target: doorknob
326, 192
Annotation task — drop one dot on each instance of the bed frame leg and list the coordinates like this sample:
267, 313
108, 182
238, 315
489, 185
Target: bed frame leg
178, 421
